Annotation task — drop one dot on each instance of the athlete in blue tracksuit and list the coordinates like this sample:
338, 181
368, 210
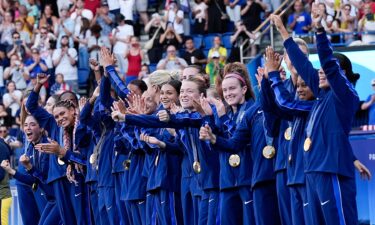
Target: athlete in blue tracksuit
57, 172
27, 199
103, 158
163, 178
236, 197
92, 123
208, 177
36, 177
121, 151
328, 155
252, 131
295, 168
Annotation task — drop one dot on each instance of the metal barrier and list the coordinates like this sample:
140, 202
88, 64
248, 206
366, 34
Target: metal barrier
264, 26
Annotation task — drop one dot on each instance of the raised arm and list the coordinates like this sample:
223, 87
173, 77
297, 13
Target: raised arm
299, 59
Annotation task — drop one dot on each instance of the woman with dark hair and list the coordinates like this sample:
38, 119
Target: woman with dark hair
48, 19
82, 38
37, 166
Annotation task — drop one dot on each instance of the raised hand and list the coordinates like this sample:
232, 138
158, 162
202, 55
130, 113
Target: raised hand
116, 115
42, 78
276, 20
51, 148
106, 58
81, 103
202, 106
94, 65
205, 134
6, 166
273, 61
219, 105
259, 75
163, 116
25, 161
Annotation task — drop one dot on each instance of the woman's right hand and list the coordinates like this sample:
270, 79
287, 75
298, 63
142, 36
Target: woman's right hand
6, 166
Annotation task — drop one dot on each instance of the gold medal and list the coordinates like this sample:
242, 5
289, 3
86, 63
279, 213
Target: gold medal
156, 160
126, 164
197, 167
234, 160
92, 159
307, 144
60, 162
34, 186
269, 152
288, 134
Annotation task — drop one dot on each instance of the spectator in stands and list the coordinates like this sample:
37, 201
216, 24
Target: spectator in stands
60, 85
369, 105
345, 23
78, 14
300, 21
65, 27
126, 8
192, 55
104, 19
145, 72
18, 47
5, 116
12, 99
4, 134
327, 19
234, 9
214, 66
7, 28
28, 20
170, 37
155, 27
251, 14
218, 48
240, 35
33, 10
36, 64
200, 17
17, 73
120, 40
272, 5
367, 24
82, 37
329, 5
135, 57
114, 6
217, 19
47, 19
96, 41
93, 5
171, 61
141, 7
65, 59
24, 36
43, 41
4, 63
175, 17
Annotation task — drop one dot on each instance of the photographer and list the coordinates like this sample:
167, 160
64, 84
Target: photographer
18, 47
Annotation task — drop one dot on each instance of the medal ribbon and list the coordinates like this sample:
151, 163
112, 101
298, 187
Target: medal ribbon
195, 152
